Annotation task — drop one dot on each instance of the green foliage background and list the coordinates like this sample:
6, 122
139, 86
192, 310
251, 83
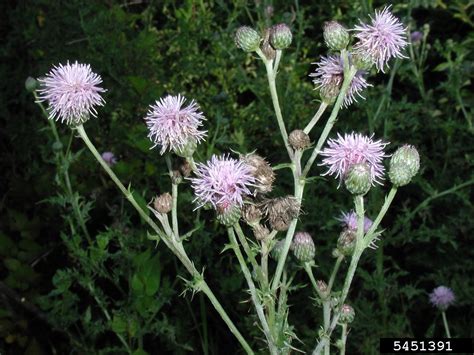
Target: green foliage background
59, 293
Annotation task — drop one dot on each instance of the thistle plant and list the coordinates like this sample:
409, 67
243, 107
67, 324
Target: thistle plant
238, 187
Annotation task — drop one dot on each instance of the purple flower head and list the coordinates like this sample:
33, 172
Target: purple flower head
72, 92
222, 182
416, 37
330, 75
109, 158
382, 39
349, 220
354, 148
172, 125
442, 297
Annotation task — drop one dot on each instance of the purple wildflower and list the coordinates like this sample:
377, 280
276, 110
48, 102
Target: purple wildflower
72, 91
349, 220
222, 182
171, 125
381, 40
109, 158
354, 148
330, 75
442, 297
416, 37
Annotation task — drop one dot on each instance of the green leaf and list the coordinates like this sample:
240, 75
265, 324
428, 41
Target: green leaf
119, 325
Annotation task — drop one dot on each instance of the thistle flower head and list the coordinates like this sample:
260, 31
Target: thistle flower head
354, 148
223, 182
329, 75
349, 220
72, 92
109, 158
442, 297
382, 39
172, 125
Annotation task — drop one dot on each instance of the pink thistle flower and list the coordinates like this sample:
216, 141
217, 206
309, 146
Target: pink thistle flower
72, 92
222, 182
354, 148
442, 297
381, 40
172, 126
109, 158
330, 74
349, 220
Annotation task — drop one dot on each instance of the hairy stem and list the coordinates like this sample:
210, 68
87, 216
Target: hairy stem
316, 117
334, 272
253, 291
445, 322
343, 338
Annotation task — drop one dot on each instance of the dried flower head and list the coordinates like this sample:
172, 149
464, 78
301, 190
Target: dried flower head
299, 140
163, 203
281, 211
261, 171
251, 214
382, 39
354, 148
222, 182
329, 75
261, 232
172, 125
349, 220
72, 92
109, 158
442, 297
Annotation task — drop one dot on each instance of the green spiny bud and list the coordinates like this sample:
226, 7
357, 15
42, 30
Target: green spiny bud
358, 180
322, 288
347, 314
346, 242
31, 84
303, 247
404, 165
277, 249
361, 62
280, 36
187, 150
247, 39
229, 216
335, 35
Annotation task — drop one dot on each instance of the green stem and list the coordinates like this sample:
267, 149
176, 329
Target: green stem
343, 338
174, 246
271, 74
445, 322
253, 291
309, 271
248, 252
316, 117
334, 272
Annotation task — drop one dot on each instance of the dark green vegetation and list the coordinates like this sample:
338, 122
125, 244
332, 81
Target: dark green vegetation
59, 292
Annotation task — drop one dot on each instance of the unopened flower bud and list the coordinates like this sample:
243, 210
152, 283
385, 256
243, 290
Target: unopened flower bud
163, 203
335, 35
261, 232
176, 177
281, 211
404, 165
346, 242
251, 214
299, 140
261, 171
329, 93
322, 288
186, 169
277, 249
361, 61
247, 39
229, 216
266, 47
187, 150
280, 36
347, 314
31, 84
303, 247
358, 180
